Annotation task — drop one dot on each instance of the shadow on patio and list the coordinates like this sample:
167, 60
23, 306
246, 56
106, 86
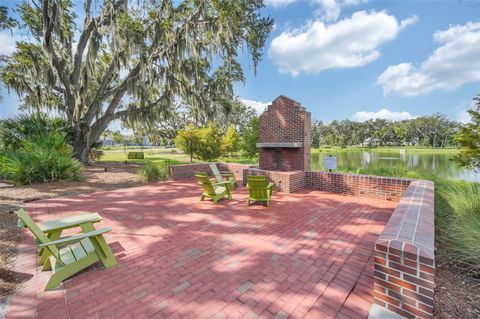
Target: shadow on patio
308, 254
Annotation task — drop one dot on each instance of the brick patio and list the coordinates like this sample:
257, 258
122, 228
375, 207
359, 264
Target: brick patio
308, 255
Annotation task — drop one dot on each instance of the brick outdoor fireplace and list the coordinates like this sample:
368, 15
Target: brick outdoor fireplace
284, 144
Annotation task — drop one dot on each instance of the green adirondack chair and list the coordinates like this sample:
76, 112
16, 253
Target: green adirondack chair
53, 228
224, 177
259, 190
215, 191
69, 255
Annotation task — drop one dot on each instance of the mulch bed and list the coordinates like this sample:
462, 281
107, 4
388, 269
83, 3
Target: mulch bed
9, 237
456, 295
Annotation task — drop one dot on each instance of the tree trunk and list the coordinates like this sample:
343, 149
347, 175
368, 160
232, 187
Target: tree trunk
81, 144
86, 135
81, 151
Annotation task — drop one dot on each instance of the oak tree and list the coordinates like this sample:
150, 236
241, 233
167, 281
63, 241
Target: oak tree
130, 60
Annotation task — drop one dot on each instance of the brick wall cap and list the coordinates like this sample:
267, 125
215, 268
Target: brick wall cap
417, 233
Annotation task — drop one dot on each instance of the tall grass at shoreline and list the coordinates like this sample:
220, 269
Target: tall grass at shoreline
457, 216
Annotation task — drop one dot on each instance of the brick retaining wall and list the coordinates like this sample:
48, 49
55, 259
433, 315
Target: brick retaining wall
288, 182
405, 255
389, 188
182, 171
381, 187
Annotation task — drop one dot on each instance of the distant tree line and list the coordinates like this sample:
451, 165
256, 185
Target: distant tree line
428, 131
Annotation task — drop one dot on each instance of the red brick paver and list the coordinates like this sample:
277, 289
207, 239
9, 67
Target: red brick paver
308, 255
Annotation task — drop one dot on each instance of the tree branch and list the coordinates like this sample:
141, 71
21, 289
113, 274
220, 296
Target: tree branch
82, 44
55, 60
132, 111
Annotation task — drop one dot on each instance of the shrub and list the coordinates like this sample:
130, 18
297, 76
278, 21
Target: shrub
27, 126
154, 172
231, 141
463, 241
250, 138
188, 140
464, 198
210, 146
204, 143
459, 216
38, 159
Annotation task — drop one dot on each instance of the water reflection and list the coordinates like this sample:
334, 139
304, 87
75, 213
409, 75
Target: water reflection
440, 164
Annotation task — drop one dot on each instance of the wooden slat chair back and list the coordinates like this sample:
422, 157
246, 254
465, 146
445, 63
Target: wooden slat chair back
69, 255
215, 191
224, 177
259, 190
216, 173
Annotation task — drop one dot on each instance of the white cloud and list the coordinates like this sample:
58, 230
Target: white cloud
329, 10
279, 3
8, 42
363, 116
464, 117
349, 43
455, 62
258, 106
408, 21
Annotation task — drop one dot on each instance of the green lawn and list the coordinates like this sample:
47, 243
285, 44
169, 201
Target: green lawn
156, 155
160, 155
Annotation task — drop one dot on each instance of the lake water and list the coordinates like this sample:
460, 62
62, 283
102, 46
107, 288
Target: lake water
440, 164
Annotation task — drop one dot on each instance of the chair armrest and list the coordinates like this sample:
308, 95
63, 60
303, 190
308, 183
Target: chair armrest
270, 185
69, 222
76, 238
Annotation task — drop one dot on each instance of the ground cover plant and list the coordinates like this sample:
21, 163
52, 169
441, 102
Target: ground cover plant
36, 150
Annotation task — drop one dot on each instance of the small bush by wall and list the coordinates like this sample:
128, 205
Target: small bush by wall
153, 172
